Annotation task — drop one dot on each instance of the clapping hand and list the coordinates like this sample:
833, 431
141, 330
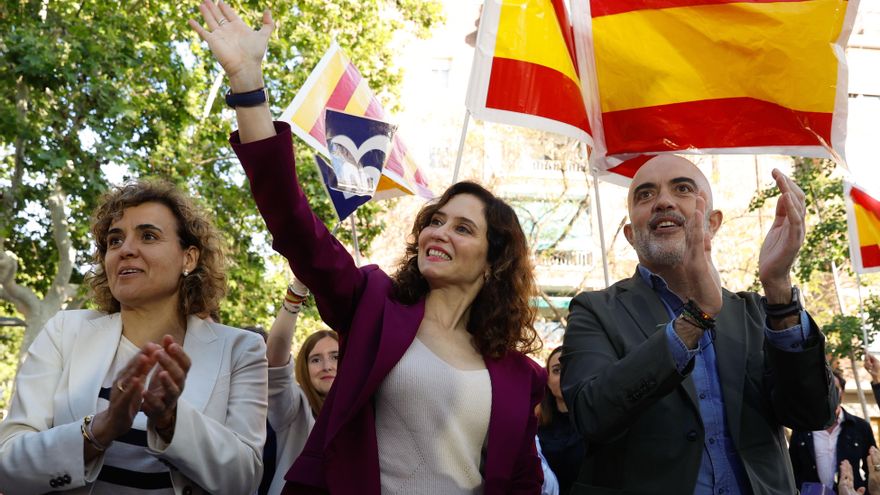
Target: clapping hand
705, 286
872, 366
783, 241
126, 397
845, 480
166, 385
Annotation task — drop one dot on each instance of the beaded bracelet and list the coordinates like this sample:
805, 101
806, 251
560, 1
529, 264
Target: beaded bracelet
292, 310
701, 318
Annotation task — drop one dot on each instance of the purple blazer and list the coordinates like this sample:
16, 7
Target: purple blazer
341, 454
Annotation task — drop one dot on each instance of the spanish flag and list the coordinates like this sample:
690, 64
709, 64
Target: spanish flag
524, 71
863, 222
335, 83
719, 76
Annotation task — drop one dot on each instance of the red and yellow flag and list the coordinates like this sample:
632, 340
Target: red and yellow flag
721, 76
336, 83
524, 70
863, 222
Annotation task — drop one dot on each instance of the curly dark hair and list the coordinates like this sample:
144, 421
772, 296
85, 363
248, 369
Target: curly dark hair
501, 318
200, 291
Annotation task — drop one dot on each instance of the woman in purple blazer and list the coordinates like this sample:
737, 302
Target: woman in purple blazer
433, 393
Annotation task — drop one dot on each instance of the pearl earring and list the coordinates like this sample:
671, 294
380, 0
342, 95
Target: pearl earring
185, 273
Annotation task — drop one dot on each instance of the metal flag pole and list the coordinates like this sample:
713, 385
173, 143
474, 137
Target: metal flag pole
357, 249
464, 126
595, 175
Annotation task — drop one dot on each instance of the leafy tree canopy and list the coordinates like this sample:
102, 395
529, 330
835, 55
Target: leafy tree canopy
93, 86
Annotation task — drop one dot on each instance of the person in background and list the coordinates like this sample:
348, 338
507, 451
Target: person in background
434, 392
315, 368
294, 405
142, 395
561, 444
815, 455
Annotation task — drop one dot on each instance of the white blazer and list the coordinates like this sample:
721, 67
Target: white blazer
221, 414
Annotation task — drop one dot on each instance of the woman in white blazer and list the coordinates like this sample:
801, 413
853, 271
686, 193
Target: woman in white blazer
144, 396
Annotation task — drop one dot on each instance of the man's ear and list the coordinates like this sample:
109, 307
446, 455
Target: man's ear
715, 218
628, 233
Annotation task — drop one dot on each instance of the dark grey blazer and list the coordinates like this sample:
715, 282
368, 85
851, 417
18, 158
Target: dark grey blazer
641, 418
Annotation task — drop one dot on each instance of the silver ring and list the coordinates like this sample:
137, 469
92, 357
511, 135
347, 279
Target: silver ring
222, 21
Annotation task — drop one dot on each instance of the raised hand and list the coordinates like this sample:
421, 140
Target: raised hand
238, 48
704, 283
872, 366
783, 241
873, 462
166, 385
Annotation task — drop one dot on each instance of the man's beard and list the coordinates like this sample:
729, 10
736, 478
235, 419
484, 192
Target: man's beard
665, 251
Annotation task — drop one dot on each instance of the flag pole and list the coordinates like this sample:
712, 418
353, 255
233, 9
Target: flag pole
354, 235
595, 175
464, 126
862, 314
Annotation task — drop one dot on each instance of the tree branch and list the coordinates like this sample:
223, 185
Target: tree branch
24, 299
61, 287
558, 314
9, 196
581, 208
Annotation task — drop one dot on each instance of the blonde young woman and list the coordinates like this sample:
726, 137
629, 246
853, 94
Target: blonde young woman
142, 396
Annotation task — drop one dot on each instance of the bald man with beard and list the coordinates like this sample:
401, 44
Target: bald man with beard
678, 385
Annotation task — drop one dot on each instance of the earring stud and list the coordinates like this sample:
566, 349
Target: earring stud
185, 273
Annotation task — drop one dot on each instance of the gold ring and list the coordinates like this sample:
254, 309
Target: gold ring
222, 21
876, 467
120, 387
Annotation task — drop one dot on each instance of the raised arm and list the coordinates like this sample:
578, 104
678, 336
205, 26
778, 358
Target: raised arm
266, 153
280, 338
240, 50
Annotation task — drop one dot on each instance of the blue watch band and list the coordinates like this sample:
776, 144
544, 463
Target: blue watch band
249, 99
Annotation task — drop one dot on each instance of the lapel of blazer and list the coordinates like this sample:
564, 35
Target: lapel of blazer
398, 329
90, 359
643, 305
511, 387
648, 312
205, 350
731, 348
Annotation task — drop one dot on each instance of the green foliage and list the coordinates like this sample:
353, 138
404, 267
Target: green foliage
92, 84
826, 242
845, 332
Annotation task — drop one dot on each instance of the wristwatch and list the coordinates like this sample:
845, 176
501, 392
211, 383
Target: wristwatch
783, 310
250, 99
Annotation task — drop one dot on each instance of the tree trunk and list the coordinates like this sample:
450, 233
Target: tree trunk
37, 311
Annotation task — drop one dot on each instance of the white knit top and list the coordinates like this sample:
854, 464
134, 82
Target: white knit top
431, 425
